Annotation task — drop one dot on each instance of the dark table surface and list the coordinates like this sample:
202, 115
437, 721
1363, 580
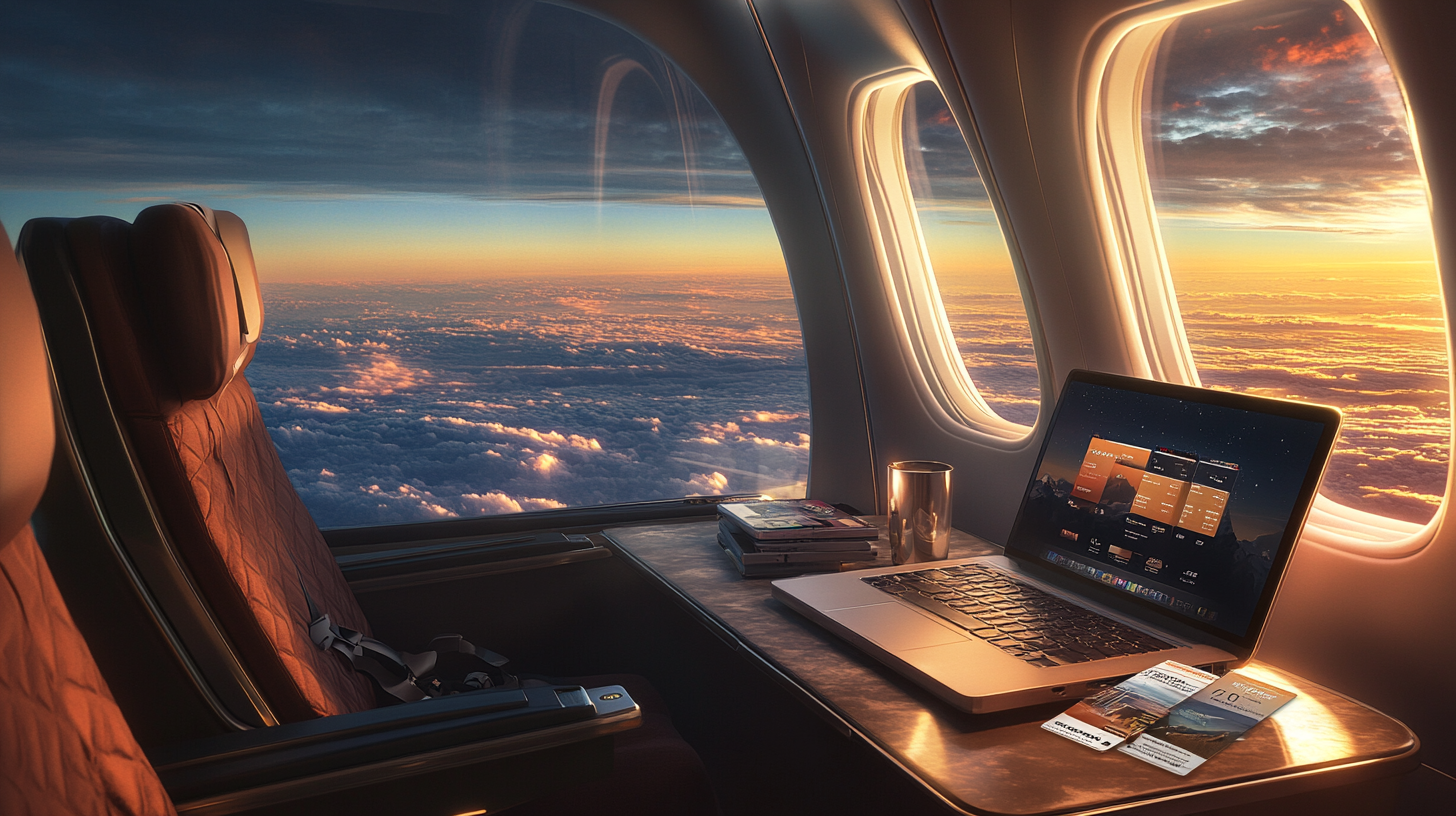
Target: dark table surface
1005, 763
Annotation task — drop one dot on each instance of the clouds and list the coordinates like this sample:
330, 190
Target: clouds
1297, 232
1317, 339
532, 399
1384, 365
1288, 119
994, 339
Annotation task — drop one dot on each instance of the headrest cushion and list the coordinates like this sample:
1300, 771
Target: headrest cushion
234, 235
27, 430
185, 281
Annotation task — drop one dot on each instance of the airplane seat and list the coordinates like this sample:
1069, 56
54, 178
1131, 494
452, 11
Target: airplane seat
67, 748
168, 331
174, 306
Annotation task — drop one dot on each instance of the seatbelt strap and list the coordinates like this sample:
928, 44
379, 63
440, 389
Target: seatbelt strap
406, 677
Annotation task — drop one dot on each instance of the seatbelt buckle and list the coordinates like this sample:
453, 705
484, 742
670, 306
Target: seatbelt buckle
321, 631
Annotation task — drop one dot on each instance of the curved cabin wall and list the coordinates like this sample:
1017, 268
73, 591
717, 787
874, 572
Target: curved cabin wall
833, 58
869, 408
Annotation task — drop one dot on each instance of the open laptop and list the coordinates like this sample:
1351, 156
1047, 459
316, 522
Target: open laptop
1157, 525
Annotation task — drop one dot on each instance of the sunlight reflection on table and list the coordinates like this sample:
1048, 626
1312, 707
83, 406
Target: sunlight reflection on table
1308, 732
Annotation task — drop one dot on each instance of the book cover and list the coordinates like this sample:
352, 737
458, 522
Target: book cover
794, 519
1206, 723
745, 541
1125, 710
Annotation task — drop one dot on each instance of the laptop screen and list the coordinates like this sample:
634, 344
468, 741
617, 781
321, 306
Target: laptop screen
1185, 499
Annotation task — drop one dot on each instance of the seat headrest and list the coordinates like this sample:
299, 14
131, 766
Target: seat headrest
27, 429
199, 287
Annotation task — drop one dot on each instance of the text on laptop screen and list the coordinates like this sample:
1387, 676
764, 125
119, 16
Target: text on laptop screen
1180, 503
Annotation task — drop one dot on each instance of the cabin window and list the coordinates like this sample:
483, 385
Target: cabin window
968, 258
512, 260
946, 268
1291, 220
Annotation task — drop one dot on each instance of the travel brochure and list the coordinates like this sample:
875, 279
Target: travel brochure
1112, 715
1173, 716
1206, 723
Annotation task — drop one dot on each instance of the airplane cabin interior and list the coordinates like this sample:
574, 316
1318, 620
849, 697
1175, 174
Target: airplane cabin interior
377, 373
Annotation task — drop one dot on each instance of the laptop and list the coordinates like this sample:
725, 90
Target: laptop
1157, 525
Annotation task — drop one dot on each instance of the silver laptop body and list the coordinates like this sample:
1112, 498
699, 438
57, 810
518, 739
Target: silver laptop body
1169, 510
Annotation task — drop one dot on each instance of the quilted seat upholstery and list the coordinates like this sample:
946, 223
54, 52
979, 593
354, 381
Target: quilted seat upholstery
265, 540
64, 747
173, 335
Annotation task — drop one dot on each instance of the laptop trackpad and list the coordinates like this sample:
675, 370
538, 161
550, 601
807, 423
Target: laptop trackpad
895, 627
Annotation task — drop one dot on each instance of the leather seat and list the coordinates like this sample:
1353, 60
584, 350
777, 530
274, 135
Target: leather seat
170, 328
174, 306
64, 746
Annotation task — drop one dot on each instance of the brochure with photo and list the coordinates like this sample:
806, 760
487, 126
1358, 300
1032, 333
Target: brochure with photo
1118, 713
1206, 723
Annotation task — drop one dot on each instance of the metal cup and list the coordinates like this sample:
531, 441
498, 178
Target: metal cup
919, 512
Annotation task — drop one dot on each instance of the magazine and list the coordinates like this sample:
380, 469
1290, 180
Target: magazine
1206, 723
1118, 713
795, 518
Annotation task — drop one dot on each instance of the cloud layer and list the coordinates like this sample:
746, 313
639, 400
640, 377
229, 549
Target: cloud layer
407, 402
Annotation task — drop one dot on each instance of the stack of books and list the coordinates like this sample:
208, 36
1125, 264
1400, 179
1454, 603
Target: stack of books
780, 537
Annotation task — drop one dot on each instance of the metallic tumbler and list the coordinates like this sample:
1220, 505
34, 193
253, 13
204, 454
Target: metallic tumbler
919, 511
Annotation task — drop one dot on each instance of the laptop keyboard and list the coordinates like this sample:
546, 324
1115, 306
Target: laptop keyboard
1017, 618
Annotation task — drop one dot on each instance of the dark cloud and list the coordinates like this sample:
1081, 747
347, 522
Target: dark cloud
940, 167
1261, 108
492, 99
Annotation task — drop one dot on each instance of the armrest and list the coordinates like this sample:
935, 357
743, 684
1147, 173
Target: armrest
486, 749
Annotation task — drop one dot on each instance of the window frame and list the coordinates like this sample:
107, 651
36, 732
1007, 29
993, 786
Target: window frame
927, 342
1113, 81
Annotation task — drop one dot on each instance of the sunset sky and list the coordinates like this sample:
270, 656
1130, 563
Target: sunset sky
1278, 142
370, 144
1297, 231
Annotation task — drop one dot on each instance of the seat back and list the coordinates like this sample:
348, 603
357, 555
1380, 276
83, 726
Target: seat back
64, 745
175, 313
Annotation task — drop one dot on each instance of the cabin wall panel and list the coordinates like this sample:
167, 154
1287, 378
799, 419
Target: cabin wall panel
979, 41
1094, 320
827, 52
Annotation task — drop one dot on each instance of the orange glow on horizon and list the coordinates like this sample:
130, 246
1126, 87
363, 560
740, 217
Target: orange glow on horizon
460, 240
